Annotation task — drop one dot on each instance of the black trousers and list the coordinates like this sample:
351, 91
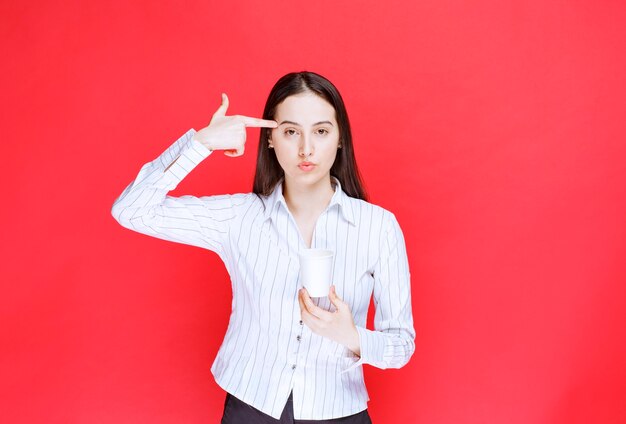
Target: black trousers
239, 412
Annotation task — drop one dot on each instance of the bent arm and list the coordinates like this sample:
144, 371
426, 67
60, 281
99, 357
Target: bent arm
392, 342
145, 207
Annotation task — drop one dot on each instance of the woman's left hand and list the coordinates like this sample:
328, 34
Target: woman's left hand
337, 326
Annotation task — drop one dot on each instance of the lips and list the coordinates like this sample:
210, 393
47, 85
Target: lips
306, 166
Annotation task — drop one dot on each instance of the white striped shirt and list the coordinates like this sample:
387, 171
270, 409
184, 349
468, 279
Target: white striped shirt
267, 352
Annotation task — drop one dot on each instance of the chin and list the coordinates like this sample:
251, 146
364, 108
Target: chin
311, 178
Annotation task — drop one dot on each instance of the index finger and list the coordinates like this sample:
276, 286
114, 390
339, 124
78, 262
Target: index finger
257, 122
312, 307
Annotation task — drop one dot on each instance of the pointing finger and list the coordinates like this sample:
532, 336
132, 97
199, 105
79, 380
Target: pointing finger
221, 111
257, 122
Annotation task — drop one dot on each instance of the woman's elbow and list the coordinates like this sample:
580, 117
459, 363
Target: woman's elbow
404, 359
120, 214
400, 355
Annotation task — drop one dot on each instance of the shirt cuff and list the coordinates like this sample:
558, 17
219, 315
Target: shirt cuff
372, 345
186, 153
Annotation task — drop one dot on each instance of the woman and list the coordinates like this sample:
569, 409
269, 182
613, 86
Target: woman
285, 355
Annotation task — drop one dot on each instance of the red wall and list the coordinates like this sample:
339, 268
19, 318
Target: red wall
495, 130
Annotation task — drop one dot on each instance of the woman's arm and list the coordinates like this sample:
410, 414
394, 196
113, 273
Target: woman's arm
392, 342
145, 207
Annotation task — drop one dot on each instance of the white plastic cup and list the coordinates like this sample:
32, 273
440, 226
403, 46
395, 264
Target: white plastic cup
316, 271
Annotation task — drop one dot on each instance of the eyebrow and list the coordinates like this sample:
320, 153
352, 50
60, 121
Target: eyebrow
315, 124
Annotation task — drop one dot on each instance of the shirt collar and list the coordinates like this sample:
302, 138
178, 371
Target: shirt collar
339, 198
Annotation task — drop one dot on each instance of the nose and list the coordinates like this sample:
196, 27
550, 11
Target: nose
306, 147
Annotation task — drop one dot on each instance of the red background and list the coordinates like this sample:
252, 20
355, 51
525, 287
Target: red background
494, 130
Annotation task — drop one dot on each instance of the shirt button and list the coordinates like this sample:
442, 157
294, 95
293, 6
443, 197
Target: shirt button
293, 367
301, 322
299, 338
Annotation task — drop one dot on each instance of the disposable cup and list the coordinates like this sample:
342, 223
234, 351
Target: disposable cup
316, 271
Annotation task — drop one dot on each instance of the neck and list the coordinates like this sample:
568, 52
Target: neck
310, 199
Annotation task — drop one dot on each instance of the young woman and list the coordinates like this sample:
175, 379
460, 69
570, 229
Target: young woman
287, 357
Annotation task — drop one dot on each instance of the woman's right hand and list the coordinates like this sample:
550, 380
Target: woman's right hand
228, 133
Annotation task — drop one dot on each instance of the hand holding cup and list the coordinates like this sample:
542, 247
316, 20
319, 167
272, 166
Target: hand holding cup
337, 326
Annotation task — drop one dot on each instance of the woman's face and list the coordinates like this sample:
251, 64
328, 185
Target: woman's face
306, 139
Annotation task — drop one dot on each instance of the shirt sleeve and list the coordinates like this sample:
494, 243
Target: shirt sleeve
145, 207
392, 342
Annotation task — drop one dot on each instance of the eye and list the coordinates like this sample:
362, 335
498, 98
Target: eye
322, 131
290, 132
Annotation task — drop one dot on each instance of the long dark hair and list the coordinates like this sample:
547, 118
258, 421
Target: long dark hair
268, 170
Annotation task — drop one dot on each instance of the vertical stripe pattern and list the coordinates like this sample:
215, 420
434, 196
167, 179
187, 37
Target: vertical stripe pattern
267, 353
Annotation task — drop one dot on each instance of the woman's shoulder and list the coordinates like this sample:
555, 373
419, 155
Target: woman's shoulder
367, 213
